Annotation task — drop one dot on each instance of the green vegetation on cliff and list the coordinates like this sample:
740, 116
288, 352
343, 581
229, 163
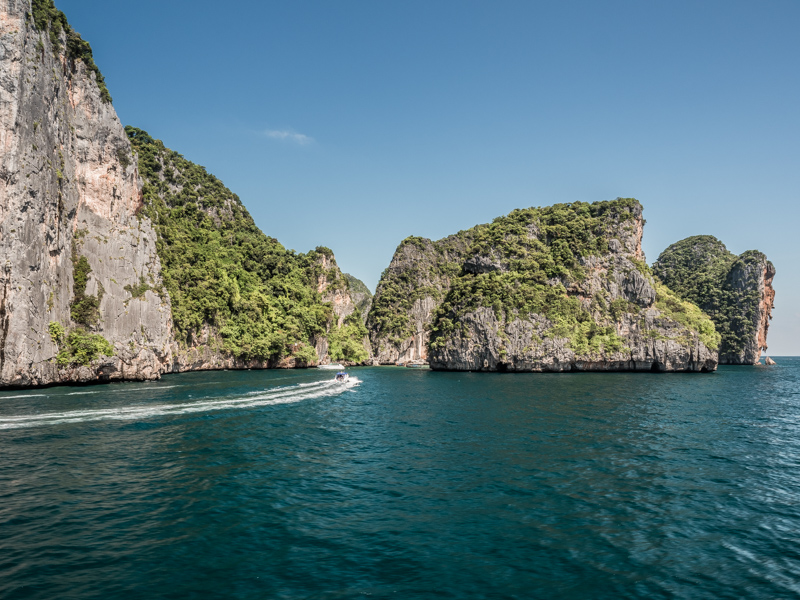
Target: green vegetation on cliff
523, 250
533, 254
687, 314
47, 18
221, 270
572, 272
514, 294
696, 267
82, 347
547, 242
78, 347
426, 271
84, 308
357, 286
346, 342
702, 270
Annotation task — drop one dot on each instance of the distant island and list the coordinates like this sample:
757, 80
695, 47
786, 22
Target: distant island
735, 291
125, 261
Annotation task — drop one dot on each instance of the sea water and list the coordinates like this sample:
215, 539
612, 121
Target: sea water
413, 484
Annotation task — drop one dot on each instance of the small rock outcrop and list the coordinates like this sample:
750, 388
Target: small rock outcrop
735, 291
561, 288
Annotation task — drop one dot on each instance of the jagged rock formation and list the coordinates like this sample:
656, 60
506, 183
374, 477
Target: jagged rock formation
68, 205
345, 339
735, 291
334, 286
551, 289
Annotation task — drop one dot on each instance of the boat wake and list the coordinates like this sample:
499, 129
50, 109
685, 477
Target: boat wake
280, 395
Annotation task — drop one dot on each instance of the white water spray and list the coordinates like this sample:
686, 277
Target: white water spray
280, 395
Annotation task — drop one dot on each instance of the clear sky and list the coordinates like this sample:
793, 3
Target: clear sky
353, 124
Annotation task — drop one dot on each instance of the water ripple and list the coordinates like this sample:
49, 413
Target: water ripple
413, 485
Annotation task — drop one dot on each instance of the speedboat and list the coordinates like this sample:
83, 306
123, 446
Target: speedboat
341, 377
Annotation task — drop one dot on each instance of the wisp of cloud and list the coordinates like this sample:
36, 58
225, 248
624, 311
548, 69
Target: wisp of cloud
289, 136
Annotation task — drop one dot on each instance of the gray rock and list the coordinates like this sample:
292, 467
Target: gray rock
69, 189
750, 282
483, 264
485, 343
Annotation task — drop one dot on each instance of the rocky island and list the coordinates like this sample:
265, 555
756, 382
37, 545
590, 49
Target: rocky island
560, 288
735, 291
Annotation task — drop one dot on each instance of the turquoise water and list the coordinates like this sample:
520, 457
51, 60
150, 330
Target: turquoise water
277, 484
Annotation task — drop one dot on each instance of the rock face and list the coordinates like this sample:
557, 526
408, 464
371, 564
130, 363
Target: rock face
336, 289
562, 288
735, 291
68, 189
410, 290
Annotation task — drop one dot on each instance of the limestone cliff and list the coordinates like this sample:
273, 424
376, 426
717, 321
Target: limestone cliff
334, 287
345, 340
550, 289
72, 244
735, 291
409, 291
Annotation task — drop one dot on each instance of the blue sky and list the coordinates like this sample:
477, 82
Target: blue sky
354, 124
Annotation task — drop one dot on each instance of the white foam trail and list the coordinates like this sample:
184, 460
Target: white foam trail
166, 387
79, 393
283, 395
24, 396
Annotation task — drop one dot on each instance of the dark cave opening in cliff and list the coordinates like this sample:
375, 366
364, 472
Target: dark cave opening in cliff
502, 367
